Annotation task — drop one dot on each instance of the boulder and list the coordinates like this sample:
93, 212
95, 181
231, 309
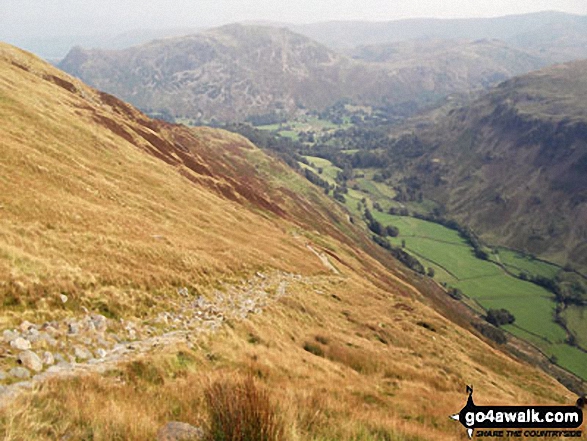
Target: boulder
100, 322
82, 353
20, 372
30, 360
26, 325
73, 328
21, 344
10, 336
175, 431
48, 358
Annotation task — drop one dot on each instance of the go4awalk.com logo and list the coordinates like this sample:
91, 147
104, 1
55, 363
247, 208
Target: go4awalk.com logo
520, 421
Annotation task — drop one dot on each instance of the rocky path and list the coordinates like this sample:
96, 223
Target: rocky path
94, 343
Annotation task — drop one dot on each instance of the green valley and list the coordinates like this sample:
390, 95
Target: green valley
486, 284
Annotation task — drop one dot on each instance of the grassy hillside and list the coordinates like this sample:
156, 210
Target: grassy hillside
155, 225
512, 165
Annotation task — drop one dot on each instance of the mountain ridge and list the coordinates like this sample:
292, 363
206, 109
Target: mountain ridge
236, 71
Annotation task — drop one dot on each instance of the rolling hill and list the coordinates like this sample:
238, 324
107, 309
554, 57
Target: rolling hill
236, 71
187, 261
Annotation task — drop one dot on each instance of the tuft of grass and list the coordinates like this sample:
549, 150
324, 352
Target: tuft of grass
242, 410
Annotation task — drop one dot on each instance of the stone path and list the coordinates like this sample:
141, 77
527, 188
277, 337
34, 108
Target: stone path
94, 343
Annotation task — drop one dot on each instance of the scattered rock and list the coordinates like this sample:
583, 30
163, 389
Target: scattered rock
10, 336
33, 336
100, 322
183, 292
175, 431
26, 325
54, 369
48, 358
47, 338
89, 325
82, 353
73, 328
20, 372
63, 298
2, 375
30, 360
21, 344
100, 353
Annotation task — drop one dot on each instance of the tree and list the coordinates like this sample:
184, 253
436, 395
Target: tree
391, 231
498, 317
430, 272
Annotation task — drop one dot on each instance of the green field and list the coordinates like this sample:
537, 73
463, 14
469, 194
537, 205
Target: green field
329, 171
517, 263
491, 287
576, 318
292, 129
486, 284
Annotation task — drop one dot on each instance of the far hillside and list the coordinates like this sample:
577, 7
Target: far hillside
557, 36
238, 72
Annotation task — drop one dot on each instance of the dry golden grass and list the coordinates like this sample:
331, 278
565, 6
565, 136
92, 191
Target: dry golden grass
361, 388
118, 214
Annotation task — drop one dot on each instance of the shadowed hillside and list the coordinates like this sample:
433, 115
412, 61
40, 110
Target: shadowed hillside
512, 165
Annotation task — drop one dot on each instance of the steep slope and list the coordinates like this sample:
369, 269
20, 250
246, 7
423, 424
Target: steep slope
512, 165
156, 227
236, 71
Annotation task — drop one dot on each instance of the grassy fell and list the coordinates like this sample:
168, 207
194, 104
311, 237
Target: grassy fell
117, 211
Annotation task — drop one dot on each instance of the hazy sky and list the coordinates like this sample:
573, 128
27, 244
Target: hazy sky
23, 18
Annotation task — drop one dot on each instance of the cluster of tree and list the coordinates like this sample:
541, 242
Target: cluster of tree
342, 112
407, 194
572, 292
399, 211
401, 255
317, 180
499, 317
491, 332
267, 119
474, 241
455, 293
376, 227
162, 114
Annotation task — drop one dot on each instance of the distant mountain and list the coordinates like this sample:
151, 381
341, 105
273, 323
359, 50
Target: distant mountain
236, 71
464, 63
513, 164
554, 35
